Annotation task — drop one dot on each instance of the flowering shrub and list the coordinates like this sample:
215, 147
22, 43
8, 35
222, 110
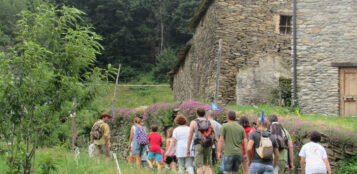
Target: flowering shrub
161, 114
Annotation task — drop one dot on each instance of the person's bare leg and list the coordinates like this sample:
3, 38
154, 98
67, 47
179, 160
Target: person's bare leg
159, 167
207, 170
173, 167
245, 167
150, 164
212, 169
200, 170
138, 161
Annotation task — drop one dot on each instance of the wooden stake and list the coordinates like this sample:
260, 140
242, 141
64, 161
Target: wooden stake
115, 91
74, 123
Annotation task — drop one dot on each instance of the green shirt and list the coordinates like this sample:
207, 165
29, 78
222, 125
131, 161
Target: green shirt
283, 154
233, 135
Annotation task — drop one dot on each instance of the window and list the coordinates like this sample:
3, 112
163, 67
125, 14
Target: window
285, 24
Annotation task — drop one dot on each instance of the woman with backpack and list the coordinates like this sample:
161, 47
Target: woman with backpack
244, 122
170, 159
179, 140
138, 140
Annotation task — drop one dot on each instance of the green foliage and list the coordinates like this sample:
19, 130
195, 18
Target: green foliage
164, 62
40, 76
135, 31
347, 166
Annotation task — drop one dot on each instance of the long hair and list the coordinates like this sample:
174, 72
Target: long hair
243, 121
169, 132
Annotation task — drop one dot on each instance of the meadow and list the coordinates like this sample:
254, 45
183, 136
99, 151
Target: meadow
60, 159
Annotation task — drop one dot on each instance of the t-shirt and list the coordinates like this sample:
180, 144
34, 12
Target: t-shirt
155, 142
180, 134
233, 135
255, 136
247, 130
217, 128
314, 154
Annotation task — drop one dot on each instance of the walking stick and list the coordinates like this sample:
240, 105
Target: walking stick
116, 162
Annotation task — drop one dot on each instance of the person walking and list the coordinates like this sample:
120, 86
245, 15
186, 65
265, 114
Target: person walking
138, 140
170, 158
204, 136
217, 126
263, 144
232, 135
286, 149
155, 142
179, 140
244, 122
313, 156
100, 137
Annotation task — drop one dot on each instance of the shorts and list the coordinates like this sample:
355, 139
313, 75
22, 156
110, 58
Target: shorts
171, 159
214, 156
203, 156
101, 150
156, 155
138, 149
232, 163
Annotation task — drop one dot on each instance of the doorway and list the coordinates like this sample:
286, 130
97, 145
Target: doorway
348, 90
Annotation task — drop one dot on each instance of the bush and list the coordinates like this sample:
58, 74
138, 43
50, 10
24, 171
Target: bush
347, 166
164, 61
160, 114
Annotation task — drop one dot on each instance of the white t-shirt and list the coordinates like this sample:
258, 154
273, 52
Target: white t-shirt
181, 135
314, 154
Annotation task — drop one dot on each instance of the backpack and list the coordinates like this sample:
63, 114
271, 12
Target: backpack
142, 138
265, 149
205, 133
278, 131
96, 132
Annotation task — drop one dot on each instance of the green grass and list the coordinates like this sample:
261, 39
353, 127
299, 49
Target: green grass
64, 162
347, 123
131, 97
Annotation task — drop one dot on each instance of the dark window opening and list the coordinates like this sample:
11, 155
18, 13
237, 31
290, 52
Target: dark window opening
285, 24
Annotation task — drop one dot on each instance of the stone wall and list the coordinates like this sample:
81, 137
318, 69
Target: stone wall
254, 54
324, 36
195, 78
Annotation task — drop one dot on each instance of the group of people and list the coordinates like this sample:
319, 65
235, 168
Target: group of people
266, 148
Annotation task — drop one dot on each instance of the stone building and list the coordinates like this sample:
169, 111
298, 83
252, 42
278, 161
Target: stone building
327, 56
256, 52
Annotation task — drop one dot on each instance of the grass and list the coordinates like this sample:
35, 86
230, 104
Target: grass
131, 97
347, 123
64, 162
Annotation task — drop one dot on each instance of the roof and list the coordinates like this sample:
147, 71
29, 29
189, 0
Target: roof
181, 57
200, 13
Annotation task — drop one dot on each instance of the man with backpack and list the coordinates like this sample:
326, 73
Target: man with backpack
263, 144
286, 150
232, 135
100, 136
204, 136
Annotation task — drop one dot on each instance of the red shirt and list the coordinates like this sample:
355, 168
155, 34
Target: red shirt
247, 130
155, 142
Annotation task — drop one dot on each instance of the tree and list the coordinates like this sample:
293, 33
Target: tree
140, 28
41, 75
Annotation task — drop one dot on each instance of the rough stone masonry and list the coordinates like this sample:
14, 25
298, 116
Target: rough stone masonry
256, 52
326, 35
